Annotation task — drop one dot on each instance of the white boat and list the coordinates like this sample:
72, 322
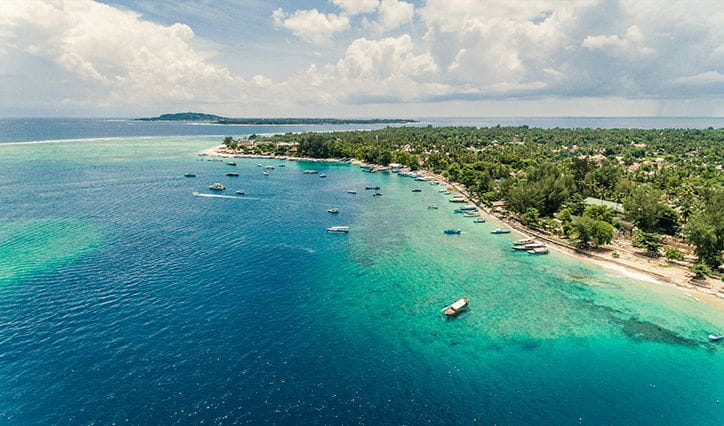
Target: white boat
524, 241
258, 165
539, 250
457, 199
269, 167
479, 220
351, 191
338, 229
469, 207
715, 337
333, 211
323, 175
239, 192
456, 307
217, 187
265, 173
310, 172
500, 231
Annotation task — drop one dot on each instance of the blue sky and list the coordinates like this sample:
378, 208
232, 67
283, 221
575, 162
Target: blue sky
362, 57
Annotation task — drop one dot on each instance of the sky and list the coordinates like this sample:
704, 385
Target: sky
362, 58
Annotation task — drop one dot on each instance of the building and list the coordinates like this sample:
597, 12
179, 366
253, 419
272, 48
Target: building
617, 207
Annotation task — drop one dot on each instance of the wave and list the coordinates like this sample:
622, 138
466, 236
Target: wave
237, 197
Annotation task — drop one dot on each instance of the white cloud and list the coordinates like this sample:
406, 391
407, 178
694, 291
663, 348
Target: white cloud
631, 44
311, 25
126, 58
704, 78
393, 14
356, 7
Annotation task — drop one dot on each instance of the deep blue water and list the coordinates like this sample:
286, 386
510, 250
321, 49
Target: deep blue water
123, 298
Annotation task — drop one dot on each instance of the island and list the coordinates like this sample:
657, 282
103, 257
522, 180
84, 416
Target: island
217, 119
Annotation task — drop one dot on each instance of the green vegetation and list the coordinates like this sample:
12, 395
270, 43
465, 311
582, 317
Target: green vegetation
670, 181
217, 119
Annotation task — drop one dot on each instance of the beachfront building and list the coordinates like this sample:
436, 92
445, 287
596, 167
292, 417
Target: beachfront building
617, 207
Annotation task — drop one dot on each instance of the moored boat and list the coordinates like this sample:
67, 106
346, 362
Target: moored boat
269, 167
452, 231
189, 175
469, 207
432, 207
539, 250
351, 191
310, 172
524, 241
457, 199
323, 175
377, 194
416, 190
333, 211
232, 174
456, 307
479, 220
338, 229
239, 192
715, 337
500, 231
231, 163
265, 173
217, 187
372, 187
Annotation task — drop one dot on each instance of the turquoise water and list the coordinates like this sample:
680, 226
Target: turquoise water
125, 298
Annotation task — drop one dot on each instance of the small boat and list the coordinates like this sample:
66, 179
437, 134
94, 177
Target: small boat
232, 174
203, 154
416, 190
457, 199
333, 211
524, 241
351, 191
434, 182
715, 337
452, 231
468, 214
217, 187
456, 307
269, 167
281, 165
323, 175
432, 207
469, 208
539, 250
369, 170
500, 231
372, 187
479, 220
239, 192
189, 175
421, 179
231, 163
377, 194
338, 229
258, 165
265, 173
310, 172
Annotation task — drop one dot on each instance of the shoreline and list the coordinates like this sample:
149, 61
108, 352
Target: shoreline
705, 293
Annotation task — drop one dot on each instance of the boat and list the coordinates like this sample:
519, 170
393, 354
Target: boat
338, 229
351, 191
369, 170
457, 199
469, 214
432, 207
469, 207
333, 211
232, 174
524, 241
265, 173
217, 187
323, 175
372, 187
539, 250
421, 179
189, 175
434, 182
239, 192
310, 172
258, 165
715, 337
269, 167
281, 165
456, 307
416, 190
231, 163
479, 220
377, 194
452, 231
500, 231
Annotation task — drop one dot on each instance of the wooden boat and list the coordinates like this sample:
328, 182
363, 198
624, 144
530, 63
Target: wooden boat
452, 231
189, 175
468, 214
232, 174
539, 250
500, 231
456, 307
457, 199
310, 172
479, 220
524, 241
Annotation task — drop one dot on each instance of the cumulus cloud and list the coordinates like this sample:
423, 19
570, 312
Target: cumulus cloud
704, 78
631, 44
311, 25
393, 14
355, 7
127, 58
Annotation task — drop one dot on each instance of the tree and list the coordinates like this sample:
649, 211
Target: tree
649, 241
599, 213
672, 253
700, 270
643, 206
531, 218
592, 232
706, 229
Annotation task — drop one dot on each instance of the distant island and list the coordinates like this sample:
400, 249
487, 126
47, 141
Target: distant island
217, 119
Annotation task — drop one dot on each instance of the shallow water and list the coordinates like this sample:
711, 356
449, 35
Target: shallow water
124, 297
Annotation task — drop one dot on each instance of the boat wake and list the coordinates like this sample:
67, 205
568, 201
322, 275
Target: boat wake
233, 197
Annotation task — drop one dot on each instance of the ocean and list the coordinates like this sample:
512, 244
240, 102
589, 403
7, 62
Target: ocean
124, 298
